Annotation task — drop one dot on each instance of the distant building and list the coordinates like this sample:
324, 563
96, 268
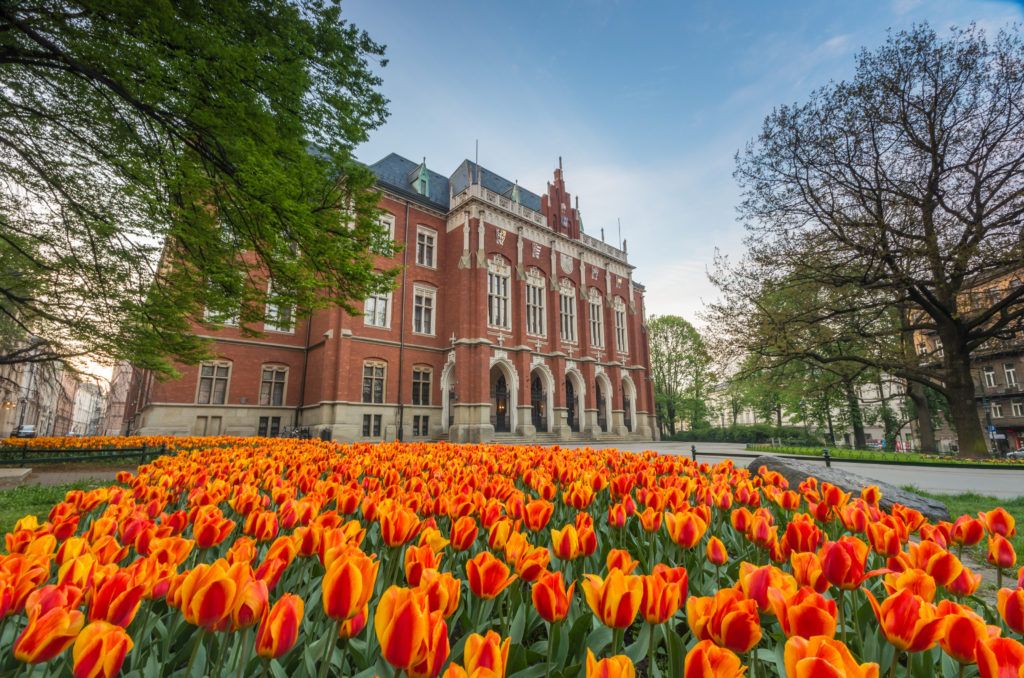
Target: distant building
37, 394
90, 402
113, 423
508, 322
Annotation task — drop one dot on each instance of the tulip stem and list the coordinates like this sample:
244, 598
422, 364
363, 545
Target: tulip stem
330, 648
999, 578
617, 640
245, 652
960, 673
895, 663
651, 649
842, 615
195, 652
551, 638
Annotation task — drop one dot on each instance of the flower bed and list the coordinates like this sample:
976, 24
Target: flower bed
307, 558
883, 456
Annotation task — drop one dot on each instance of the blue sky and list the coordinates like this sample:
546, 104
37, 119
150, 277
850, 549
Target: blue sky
647, 102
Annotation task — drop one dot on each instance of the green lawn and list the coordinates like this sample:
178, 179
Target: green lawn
36, 499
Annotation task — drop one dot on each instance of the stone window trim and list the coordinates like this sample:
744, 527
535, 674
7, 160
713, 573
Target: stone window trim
424, 300
536, 304
214, 376
426, 246
276, 369
596, 317
422, 383
274, 311
568, 313
387, 220
621, 328
374, 382
379, 320
499, 293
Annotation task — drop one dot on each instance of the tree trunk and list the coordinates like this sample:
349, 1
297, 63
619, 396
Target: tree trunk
923, 409
963, 409
831, 430
778, 416
860, 441
671, 409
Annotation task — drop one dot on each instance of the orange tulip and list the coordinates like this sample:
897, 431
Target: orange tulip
279, 627
936, 561
844, 562
967, 531
537, 513
999, 521
411, 637
756, 581
964, 585
618, 666
619, 559
566, 543
662, 598
685, 528
716, 553
884, 539
1000, 552
251, 600
550, 597
707, 660
650, 519
487, 575
210, 527
418, 559
100, 650
908, 621
1011, 608
350, 628
808, 572
47, 635
820, 656
918, 582
117, 600
965, 628
802, 534
1000, 658
617, 515
615, 599
464, 533
348, 584
805, 613
442, 591
727, 618
206, 595
398, 525
486, 653
261, 525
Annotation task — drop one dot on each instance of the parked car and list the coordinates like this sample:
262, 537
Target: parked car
24, 431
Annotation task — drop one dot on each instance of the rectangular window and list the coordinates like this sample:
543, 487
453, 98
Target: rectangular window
1018, 408
269, 426
990, 376
279, 318
567, 315
425, 241
383, 244
421, 385
420, 425
373, 382
620, 330
596, 324
213, 317
997, 410
213, 383
1011, 374
371, 425
272, 385
207, 426
535, 316
375, 311
497, 299
423, 310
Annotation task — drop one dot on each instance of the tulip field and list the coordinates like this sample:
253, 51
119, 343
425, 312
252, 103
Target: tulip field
276, 557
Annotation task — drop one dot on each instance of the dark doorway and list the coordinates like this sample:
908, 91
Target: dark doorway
538, 404
500, 402
627, 405
602, 407
573, 414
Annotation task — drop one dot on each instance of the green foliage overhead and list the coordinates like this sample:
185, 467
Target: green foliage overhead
146, 145
681, 367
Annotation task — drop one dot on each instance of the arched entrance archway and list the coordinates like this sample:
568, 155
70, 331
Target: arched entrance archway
448, 396
503, 398
603, 398
629, 404
573, 400
542, 387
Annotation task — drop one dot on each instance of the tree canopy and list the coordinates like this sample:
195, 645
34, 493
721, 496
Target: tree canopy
880, 207
171, 162
681, 368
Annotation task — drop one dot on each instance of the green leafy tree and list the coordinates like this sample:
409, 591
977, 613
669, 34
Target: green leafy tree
681, 367
171, 163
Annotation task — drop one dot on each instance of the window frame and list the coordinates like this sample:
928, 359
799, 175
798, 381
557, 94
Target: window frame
536, 309
387, 219
989, 376
431, 233
596, 319
997, 409
424, 291
1010, 374
499, 294
387, 298
372, 425
268, 324
383, 379
215, 364
1017, 407
419, 370
621, 322
568, 313
275, 369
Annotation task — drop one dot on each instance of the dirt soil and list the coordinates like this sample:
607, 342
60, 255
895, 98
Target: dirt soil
59, 474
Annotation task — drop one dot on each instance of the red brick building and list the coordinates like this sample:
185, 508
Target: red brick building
508, 321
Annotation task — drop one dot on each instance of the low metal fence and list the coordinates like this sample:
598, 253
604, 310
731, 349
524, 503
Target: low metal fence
26, 455
828, 459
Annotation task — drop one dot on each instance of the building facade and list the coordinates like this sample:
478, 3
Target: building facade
89, 405
507, 322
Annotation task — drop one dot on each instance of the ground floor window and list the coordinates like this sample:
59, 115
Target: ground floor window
207, 426
371, 425
420, 425
269, 426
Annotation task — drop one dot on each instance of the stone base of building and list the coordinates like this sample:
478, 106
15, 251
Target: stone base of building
352, 422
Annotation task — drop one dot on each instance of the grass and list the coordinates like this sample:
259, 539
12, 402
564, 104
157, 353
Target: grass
36, 499
881, 455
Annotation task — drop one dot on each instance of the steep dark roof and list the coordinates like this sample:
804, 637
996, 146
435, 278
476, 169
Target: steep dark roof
393, 172
469, 172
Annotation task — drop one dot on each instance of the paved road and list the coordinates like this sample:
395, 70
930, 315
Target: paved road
997, 483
